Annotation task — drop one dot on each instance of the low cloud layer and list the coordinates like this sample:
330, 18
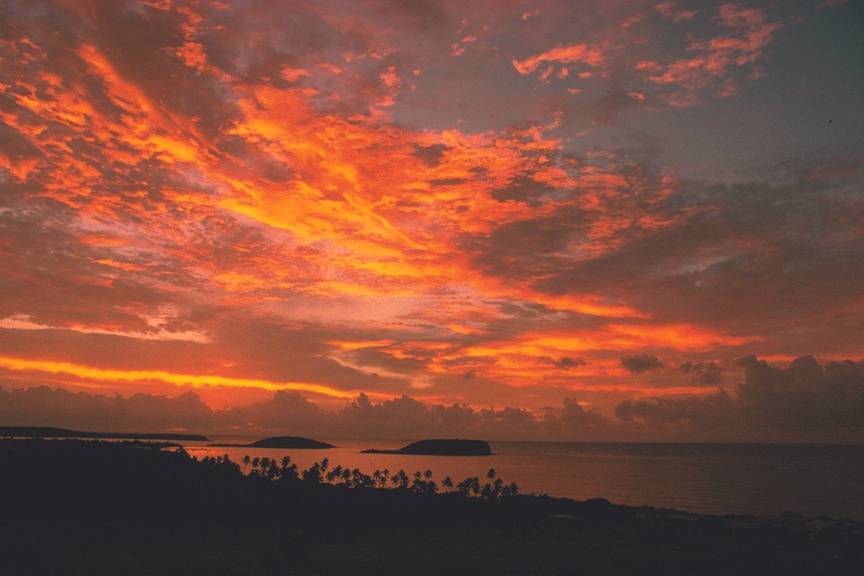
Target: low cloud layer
805, 399
289, 412
802, 400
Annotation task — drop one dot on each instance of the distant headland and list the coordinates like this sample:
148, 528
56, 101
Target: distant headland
49, 432
440, 447
281, 442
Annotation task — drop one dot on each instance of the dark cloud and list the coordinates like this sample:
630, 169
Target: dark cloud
574, 418
639, 363
523, 189
43, 406
740, 257
706, 373
527, 248
712, 411
430, 155
802, 400
805, 395
568, 362
284, 411
288, 412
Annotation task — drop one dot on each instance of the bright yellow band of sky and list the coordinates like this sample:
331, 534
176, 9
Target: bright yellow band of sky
195, 380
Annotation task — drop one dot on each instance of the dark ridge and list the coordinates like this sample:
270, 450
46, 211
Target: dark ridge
94, 507
281, 442
439, 447
49, 432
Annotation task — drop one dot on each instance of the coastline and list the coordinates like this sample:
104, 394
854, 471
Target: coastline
139, 510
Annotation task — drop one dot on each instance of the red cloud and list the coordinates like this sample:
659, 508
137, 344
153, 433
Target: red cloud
670, 11
716, 58
564, 57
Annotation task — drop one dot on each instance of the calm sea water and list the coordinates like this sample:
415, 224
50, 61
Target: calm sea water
812, 480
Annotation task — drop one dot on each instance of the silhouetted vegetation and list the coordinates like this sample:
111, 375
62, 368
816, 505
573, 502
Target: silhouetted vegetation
285, 471
87, 507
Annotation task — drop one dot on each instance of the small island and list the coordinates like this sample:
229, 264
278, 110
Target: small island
440, 447
296, 442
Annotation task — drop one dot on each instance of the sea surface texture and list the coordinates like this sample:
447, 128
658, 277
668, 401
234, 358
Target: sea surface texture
763, 479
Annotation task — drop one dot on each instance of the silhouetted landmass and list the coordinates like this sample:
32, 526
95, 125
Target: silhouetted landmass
91, 507
49, 432
440, 448
281, 442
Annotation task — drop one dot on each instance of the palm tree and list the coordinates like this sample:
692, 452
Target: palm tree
403, 480
313, 473
288, 473
334, 473
497, 488
447, 483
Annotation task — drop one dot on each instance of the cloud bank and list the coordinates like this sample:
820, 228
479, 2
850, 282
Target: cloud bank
802, 400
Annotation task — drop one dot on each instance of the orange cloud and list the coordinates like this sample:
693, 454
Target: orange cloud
715, 58
670, 11
194, 380
563, 56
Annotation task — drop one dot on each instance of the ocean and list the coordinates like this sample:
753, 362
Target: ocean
762, 479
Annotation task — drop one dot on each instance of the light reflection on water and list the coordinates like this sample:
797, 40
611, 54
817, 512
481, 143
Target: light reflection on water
812, 480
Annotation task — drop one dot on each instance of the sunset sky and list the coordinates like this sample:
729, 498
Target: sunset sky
617, 213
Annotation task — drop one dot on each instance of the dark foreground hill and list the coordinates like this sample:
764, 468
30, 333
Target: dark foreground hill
445, 447
281, 442
76, 507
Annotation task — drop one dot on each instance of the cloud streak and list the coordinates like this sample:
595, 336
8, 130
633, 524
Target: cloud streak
194, 380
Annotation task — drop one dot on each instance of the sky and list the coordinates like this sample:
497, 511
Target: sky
618, 219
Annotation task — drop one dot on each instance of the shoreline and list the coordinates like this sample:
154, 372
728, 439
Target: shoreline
117, 508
